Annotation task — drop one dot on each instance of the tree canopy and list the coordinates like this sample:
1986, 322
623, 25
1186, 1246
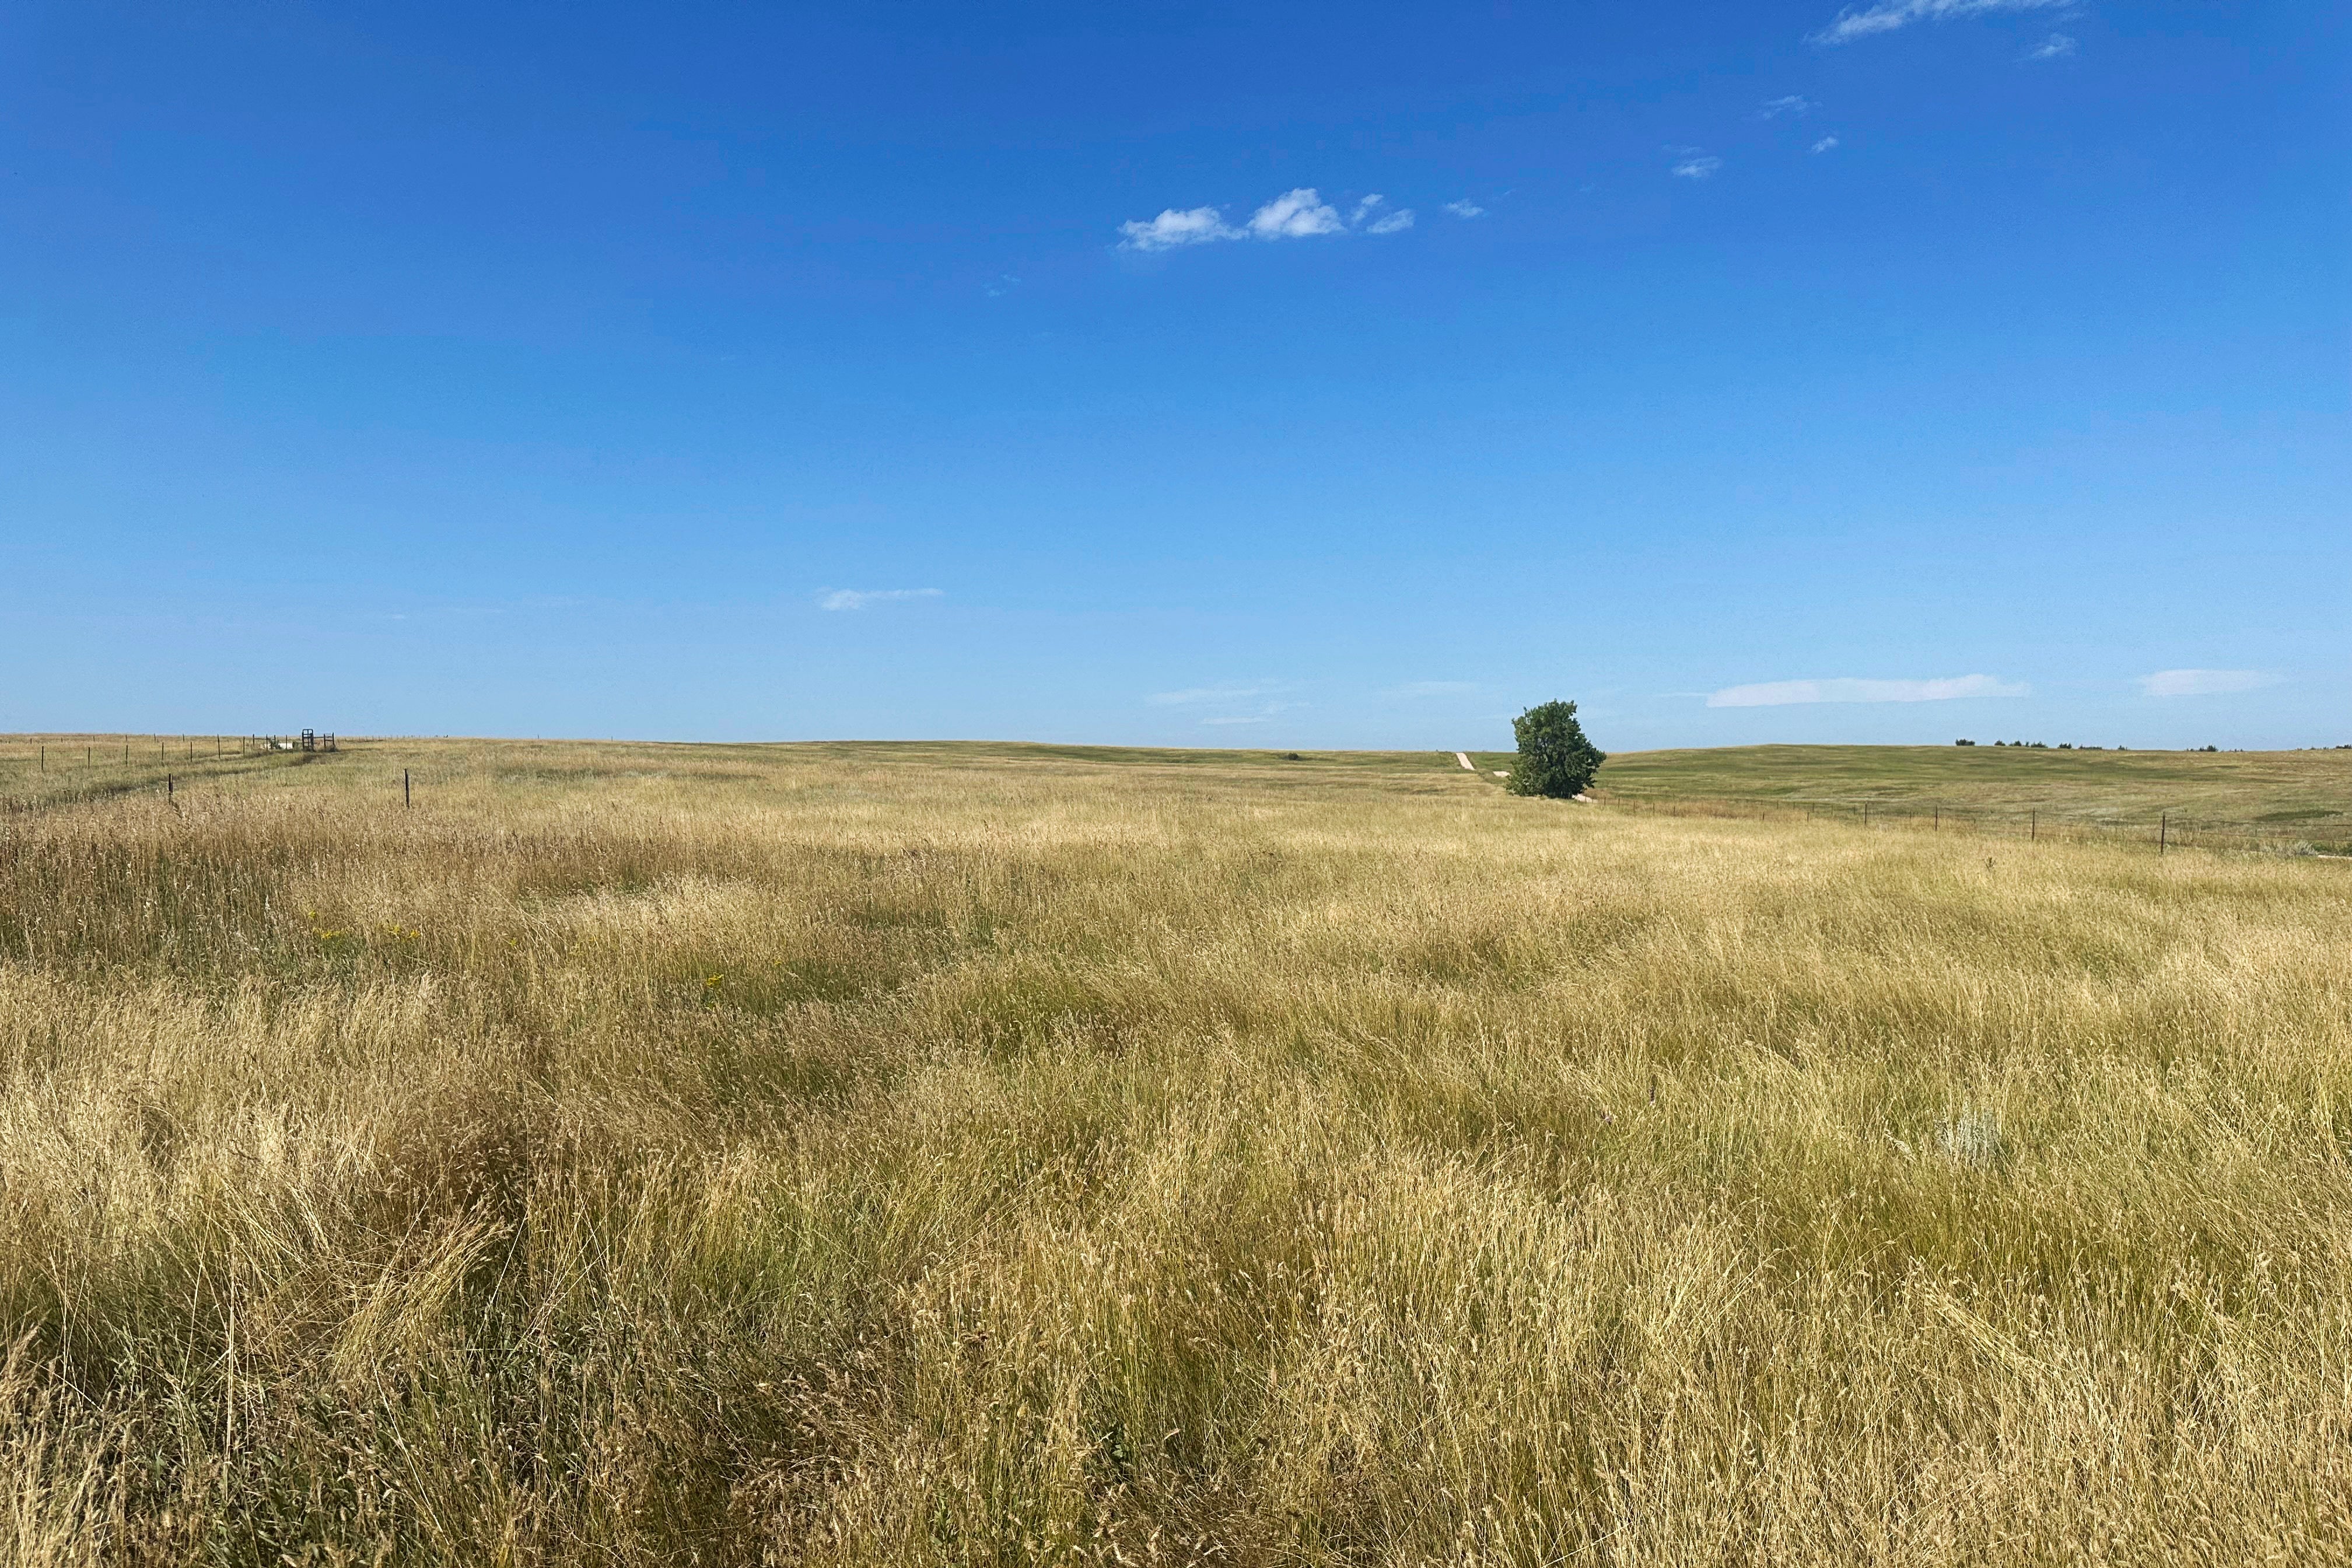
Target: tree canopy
1556, 759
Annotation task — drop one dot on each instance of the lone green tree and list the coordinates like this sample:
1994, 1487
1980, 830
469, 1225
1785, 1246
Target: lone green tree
1556, 759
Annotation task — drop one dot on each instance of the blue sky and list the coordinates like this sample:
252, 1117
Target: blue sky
1271, 375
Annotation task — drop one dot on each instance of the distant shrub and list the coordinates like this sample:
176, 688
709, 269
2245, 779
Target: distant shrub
1556, 759
1968, 742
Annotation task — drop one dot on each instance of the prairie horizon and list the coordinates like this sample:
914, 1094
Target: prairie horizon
2248, 793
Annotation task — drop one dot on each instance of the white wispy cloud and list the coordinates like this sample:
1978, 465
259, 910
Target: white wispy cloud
1466, 208
1232, 691
1301, 214
2204, 682
1782, 693
1237, 701
1790, 103
1889, 15
1263, 713
1369, 206
2056, 47
858, 598
1826, 143
1432, 688
1695, 165
1195, 225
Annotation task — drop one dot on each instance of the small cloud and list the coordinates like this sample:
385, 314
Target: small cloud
1466, 208
1784, 693
1301, 214
2056, 47
1002, 286
1233, 691
2204, 682
1432, 688
1696, 166
858, 598
1195, 226
1396, 222
1245, 701
1791, 104
1889, 15
1260, 717
1826, 143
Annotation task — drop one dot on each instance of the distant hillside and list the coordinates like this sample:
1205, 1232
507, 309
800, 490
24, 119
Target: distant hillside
2283, 790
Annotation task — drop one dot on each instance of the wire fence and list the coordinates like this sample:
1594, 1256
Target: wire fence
2160, 830
42, 773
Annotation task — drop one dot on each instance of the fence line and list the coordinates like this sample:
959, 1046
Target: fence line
2162, 829
66, 770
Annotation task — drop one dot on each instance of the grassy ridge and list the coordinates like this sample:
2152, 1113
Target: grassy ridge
37, 770
841, 1154
2283, 787
2267, 800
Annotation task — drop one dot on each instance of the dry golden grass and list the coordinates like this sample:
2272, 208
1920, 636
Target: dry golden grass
847, 1155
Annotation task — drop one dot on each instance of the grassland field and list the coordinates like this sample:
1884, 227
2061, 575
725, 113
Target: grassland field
989, 1154
2237, 798
2225, 799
